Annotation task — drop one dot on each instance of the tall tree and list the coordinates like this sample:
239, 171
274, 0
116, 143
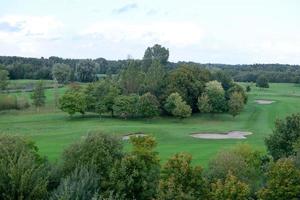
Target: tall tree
61, 72
181, 180
204, 105
86, 71
131, 78
262, 82
4, 78
38, 95
283, 182
230, 188
154, 78
235, 104
286, 133
148, 105
155, 53
216, 95
136, 176
176, 106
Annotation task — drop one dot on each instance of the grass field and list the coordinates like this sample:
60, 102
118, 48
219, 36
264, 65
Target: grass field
53, 130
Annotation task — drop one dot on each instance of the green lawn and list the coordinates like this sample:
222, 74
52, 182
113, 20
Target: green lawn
53, 130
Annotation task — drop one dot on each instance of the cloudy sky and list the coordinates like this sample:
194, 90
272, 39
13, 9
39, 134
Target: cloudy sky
216, 31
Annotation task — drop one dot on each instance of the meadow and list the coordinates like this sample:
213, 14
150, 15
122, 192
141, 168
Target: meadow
53, 130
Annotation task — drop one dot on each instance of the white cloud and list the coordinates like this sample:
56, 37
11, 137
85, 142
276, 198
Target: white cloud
29, 33
167, 32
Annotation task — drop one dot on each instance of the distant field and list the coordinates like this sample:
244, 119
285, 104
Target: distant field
53, 130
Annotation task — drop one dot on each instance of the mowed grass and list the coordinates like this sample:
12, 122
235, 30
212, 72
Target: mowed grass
53, 130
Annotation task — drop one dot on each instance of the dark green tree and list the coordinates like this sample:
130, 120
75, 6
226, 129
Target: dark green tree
86, 71
177, 107
235, 104
4, 78
283, 182
148, 105
73, 101
61, 72
23, 173
155, 53
38, 95
97, 152
136, 176
262, 82
131, 78
126, 106
285, 134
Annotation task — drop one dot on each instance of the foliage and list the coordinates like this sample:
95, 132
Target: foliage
224, 79
203, 104
72, 101
83, 183
177, 107
131, 78
283, 182
154, 79
285, 134
235, 104
155, 53
86, 71
242, 161
180, 180
61, 72
189, 82
216, 96
126, 106
38, 95
136, 176
230, 188
97, 151
148, 105
23, 174
3, 79
262, 82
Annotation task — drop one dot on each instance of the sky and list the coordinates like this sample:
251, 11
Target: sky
205, 31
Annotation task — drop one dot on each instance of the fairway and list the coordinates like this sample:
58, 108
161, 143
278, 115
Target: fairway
53, 130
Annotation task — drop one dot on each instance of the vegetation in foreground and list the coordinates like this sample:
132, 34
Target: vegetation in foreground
96, 167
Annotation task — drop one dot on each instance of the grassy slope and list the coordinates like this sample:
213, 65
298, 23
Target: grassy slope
53, 130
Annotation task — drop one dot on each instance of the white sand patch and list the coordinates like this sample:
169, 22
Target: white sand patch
127, 137
263, 102
229, 135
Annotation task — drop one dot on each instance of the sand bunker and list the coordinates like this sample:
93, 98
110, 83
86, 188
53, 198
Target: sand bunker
263, 102
127, 137
229, 135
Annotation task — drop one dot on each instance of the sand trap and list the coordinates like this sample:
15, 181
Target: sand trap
127, 137
229, 135
263, 102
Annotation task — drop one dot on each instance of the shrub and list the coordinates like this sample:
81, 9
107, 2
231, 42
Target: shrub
8, 102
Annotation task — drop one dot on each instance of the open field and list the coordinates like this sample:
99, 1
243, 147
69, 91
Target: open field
53, 130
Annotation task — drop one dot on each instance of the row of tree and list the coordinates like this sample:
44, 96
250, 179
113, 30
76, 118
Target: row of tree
97, 168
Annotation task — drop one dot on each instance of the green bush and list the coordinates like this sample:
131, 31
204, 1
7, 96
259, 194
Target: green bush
8, 102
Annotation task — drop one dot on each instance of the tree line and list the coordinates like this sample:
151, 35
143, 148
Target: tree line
42, 68
147, 88
97, 168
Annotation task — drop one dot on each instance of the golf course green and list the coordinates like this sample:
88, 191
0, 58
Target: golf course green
53, 130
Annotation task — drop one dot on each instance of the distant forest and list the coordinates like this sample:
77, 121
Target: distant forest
41, 68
